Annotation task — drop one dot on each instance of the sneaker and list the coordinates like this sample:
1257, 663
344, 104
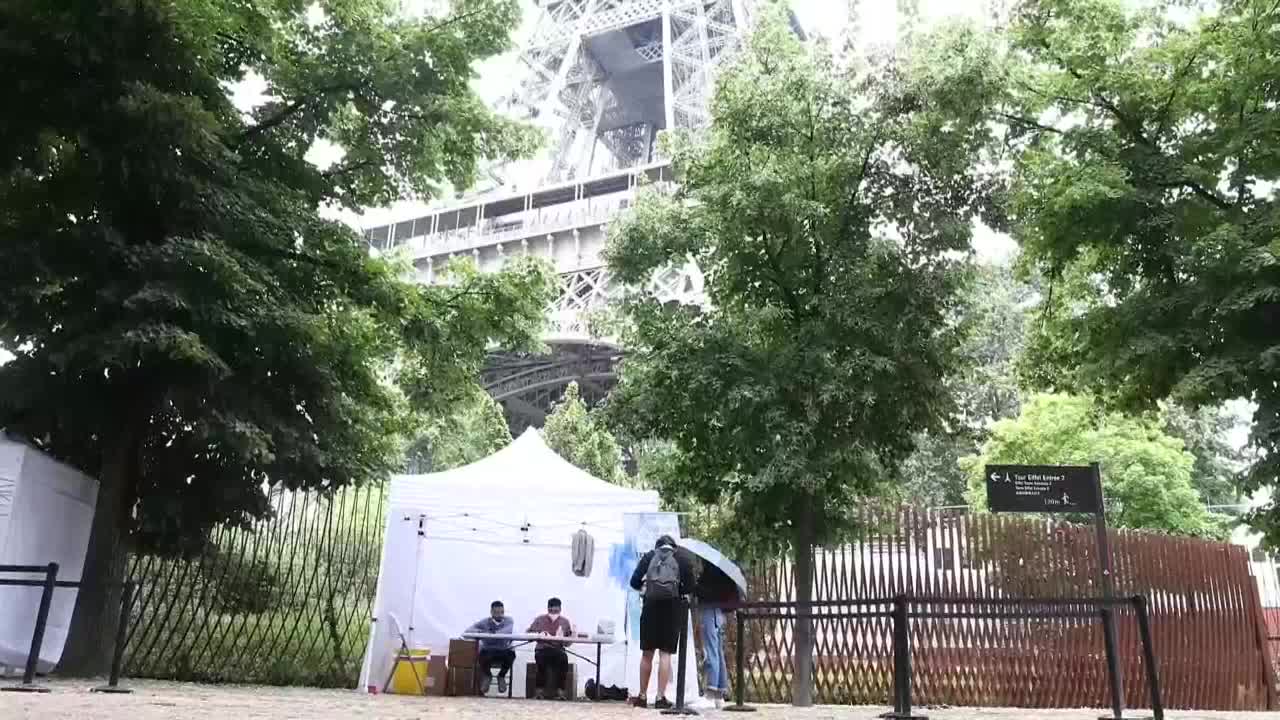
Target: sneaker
539, 695
661, 704
640, 703
502, 686
560, 695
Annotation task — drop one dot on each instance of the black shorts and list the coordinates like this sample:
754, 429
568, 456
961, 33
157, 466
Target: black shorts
660, 625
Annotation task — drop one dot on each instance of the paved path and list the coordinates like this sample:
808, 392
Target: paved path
165, 701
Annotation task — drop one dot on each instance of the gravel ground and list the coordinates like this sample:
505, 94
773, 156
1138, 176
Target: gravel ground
157, 700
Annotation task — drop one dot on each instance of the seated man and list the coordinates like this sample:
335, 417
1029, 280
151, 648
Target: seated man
552, 661
495, 652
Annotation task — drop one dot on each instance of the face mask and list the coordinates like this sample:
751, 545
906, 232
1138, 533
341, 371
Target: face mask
553, 614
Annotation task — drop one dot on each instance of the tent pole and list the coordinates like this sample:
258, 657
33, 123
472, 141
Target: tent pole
417, 567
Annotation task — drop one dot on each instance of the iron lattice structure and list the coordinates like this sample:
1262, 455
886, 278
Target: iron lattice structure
605, 78
528, 386
608, 75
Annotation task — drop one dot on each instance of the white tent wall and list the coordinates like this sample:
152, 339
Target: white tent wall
46, 510
500, 529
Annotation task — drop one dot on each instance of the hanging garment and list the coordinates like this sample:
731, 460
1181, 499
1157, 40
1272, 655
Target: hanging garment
584, 548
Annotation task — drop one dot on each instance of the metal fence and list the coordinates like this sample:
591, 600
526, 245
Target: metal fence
1266, 572
1206, 619
287, 603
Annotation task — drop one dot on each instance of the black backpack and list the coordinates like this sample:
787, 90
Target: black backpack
662, 580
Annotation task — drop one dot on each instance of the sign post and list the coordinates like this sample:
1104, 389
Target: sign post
1043, 488
1108, 593
1065, 489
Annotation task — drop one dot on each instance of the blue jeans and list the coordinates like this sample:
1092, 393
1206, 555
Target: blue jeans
711, 621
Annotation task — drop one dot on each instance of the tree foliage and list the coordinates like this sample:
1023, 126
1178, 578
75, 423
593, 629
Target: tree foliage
1145, 191
473, 429
1206, 434
984, 384
1146, 474
188, 328
830, 214
581, 437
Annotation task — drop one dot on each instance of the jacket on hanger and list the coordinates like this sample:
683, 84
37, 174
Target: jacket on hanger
584, 548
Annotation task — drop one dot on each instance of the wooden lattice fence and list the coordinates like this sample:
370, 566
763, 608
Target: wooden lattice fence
285, 603
1207, 624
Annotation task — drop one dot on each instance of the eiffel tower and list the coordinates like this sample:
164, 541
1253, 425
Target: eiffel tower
605, 77
613, 73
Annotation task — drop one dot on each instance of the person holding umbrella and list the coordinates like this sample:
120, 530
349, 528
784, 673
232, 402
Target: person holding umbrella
720, 587
716, 594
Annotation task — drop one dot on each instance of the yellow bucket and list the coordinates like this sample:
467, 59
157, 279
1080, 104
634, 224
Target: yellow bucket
410, 677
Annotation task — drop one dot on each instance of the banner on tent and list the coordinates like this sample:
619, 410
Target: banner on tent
641, 532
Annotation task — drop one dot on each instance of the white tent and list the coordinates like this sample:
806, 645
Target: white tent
500, 529
46, 510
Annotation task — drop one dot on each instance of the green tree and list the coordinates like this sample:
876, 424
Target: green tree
658, 466
188, 328
1206, 434
1145, 193
985, 385
831, 216
473, 429
931, 474
581, 437
1146, 474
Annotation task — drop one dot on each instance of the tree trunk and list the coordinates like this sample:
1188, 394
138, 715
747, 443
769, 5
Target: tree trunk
805, 532
93, 623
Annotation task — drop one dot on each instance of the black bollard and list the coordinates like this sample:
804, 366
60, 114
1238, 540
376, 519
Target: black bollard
37, 636
1113, 664
122, 635
740, 653
1149, 656
901, 664
682, 650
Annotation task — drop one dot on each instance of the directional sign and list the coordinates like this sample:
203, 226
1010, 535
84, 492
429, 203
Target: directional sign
1043, 488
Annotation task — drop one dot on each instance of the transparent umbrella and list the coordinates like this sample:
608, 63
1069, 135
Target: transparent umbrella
714, 557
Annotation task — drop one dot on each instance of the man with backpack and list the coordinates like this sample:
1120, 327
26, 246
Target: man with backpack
663, 577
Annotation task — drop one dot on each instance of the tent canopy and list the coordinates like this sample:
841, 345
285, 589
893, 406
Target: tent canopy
525, 473
501, 528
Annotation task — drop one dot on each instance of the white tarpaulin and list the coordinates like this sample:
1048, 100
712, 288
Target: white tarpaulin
46, 510
501, 529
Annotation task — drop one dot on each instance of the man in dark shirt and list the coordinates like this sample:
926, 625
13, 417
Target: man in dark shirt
664, 577
492, 651
716, 593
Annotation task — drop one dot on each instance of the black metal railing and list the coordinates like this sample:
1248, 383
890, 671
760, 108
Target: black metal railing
900, 610
48, 585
